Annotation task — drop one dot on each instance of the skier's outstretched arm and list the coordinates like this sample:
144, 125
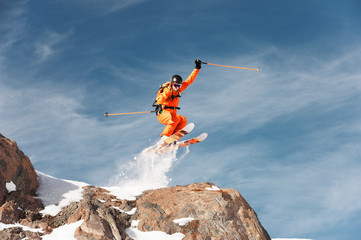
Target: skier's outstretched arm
192, 76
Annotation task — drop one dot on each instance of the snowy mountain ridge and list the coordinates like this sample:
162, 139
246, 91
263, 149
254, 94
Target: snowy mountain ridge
37, 206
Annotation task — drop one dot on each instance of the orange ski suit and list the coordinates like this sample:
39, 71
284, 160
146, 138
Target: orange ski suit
169, 117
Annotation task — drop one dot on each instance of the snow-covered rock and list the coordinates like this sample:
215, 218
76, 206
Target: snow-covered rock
16, 171
65, 209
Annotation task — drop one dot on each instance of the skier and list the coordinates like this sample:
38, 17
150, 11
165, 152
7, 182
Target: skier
168, 99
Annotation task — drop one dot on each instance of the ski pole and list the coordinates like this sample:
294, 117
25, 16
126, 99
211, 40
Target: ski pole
114, 114
255, 69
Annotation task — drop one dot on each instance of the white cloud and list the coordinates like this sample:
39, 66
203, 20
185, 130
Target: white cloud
107, 6
319, 189
49, 128
16, 30
47, 44
320, 197
253, 99
43, 51
11, 30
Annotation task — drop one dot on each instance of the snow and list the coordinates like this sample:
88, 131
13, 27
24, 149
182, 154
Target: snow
10, 187
57, 193
213, 188
136, 234
4, 226
146, 171
183, 221
131, 212
64, 232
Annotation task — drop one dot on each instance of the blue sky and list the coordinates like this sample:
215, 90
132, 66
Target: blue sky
287, 138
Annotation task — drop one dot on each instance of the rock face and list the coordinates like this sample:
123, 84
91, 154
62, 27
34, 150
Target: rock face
104, 215
213, 212
15, 167
199, 211
18, 183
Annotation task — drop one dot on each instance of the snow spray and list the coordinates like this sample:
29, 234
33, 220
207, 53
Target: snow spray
147, 170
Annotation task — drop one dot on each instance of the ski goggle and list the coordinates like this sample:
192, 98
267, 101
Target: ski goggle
176, 85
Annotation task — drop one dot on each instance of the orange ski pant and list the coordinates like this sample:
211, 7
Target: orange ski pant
172, 120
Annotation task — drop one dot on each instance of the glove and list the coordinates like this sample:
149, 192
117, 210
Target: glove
158, 109
198, 63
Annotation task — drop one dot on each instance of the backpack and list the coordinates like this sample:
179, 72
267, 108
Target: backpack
161, 89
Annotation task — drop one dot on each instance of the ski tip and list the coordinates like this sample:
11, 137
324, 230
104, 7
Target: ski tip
189, 127
202, 137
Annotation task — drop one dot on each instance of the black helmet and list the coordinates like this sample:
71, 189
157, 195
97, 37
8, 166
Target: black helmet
176, 79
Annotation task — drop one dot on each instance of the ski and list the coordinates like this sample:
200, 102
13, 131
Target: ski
173, 142
191, 141
178, 135
181, 144
168, 142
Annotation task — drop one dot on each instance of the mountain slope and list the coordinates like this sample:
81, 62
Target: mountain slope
199, 211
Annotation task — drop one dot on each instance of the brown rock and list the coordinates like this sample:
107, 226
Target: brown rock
2, 189
95, 227
36, 224
9, 213
101, 220
15, 166
24, 201
220, 214
18, 233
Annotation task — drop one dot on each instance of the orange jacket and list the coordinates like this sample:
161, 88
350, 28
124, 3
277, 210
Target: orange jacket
165, 98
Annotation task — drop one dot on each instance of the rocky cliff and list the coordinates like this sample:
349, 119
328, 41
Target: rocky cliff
15, 169
198, 211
